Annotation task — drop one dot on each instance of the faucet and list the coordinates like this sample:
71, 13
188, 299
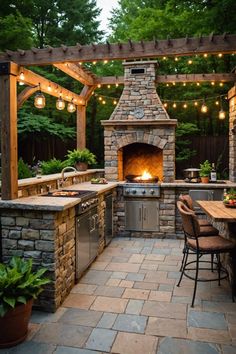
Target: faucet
63, 179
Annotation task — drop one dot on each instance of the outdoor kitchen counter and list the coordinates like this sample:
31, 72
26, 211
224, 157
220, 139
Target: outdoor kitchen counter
47, 203
183, 184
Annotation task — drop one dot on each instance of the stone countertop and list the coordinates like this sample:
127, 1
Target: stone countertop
55, 203
211, 185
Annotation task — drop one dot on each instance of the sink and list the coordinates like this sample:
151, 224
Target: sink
68, 193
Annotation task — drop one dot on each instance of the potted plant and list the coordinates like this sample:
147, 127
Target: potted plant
81, 159
205, 169
19, 286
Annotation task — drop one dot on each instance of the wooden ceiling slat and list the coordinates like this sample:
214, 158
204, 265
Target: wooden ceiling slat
212, 44
76, 73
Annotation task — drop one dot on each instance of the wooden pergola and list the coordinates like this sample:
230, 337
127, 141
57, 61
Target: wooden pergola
70, 59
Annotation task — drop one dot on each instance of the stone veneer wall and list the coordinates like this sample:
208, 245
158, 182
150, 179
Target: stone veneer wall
115, 138
232, 134
48, 238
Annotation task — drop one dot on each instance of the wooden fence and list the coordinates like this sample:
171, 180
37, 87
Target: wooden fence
212, 148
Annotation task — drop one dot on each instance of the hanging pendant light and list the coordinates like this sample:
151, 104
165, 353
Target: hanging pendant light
60, 103
71, 107
39, 99
222, 114
204, 107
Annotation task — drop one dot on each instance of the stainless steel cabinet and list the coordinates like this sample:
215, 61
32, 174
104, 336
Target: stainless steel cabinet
87, 240
205, 194
141, 215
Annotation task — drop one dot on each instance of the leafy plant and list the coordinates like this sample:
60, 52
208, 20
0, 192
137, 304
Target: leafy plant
184, 129
23, 170
52, 166
83, 155
19, 283
205, 169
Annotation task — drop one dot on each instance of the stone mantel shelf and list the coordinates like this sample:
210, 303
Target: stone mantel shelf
135, 122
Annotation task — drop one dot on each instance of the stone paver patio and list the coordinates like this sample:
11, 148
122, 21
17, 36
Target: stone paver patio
128, 303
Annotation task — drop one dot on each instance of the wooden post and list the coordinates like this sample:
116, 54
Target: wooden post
8, 116
232, 134
81, 127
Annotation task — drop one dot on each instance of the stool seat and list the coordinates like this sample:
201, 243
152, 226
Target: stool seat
212, 244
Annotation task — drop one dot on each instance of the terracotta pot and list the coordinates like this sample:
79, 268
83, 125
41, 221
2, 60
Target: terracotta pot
14, 325
81, 166
205, 179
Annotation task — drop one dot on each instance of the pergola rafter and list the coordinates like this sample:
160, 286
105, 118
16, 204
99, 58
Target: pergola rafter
77, 73
212, 44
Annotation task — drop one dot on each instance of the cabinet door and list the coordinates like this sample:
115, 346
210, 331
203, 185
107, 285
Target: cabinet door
150, 216
133, 215
82, 244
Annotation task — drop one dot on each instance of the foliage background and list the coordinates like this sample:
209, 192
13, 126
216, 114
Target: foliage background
46, 22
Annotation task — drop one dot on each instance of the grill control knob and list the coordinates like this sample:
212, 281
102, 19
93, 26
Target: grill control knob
134, 191
127, 191
152, 191
143, 191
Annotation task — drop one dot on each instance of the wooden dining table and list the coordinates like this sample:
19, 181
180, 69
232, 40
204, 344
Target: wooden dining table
218, 211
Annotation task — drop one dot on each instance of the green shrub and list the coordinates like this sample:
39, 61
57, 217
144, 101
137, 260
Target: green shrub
52, 166
23, 170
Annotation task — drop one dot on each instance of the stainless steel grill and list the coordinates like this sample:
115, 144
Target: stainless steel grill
142, 190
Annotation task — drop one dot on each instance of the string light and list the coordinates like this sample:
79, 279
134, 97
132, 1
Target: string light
71, 107
204, 108
173, 83
108, 86
99, 85
105, 61
49, 88
167, 85
190, 62
22, 78
100, 98
217, 103
165, 105
60, 103
176, 58
205, 55
220, 55
221, 84
196, 103
212, 83
94, 62
103, 102
114, 102
174, 105
117, 84
184, 83
198, 83
222, 114
185, 105
164, 58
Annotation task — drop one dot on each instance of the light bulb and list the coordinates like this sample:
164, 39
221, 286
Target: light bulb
220, 55
195, 103
39, 100
184, 84
165, 105
185, 105
213, 83
222, 114
117, 85
71, 107
190, 62
204, 108
103, 102
99, 85
217, 103
114, 102
60, 103
174, 105
22, 78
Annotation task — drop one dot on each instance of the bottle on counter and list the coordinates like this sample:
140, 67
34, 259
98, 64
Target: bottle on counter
213, 173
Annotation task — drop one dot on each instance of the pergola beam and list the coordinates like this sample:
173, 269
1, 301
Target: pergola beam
49, 87
76, 73
221, 77
212, 44
24, 95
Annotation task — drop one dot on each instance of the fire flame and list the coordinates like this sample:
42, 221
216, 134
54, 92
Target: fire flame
146, 175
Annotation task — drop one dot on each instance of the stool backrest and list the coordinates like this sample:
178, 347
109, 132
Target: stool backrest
186, 199
189, 220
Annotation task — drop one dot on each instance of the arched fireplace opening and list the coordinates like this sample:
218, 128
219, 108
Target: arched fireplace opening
139, 158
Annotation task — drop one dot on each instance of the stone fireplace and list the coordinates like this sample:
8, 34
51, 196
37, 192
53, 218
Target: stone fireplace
139, 136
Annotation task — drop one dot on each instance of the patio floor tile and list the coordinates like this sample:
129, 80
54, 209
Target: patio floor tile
109, 304
107, 320
134, 307
63, 334
81, 317
182, 346
130, 323
160, 296
163, 309
84, 289
30, 347
207, 320
101, 339
69, 350
131, 343
135, 277
228, 349
95, 277
209, 335
136, 294
109, 291
123, 267
81, 301
167, 327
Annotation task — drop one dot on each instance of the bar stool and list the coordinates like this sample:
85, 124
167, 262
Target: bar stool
200, 245
206, 228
